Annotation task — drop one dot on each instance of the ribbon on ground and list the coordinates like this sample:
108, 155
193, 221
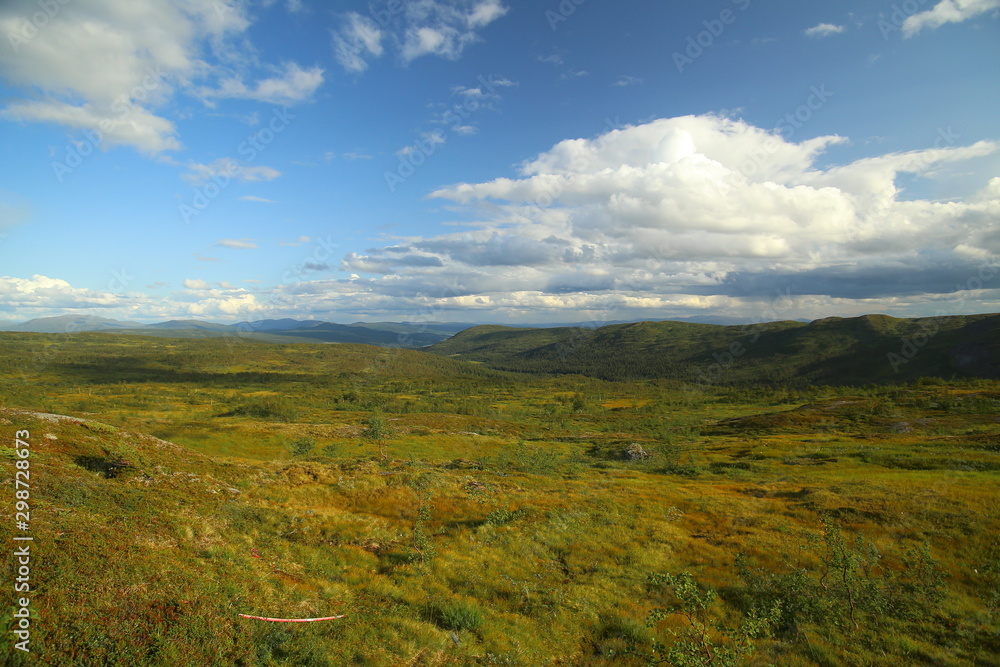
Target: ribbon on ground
293, 620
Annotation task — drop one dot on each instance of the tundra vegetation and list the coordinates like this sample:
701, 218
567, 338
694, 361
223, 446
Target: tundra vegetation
458, 514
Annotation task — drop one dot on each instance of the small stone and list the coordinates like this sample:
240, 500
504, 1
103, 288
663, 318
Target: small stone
635, 452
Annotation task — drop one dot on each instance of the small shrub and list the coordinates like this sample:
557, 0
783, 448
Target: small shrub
702, 642
378, 430
301, 446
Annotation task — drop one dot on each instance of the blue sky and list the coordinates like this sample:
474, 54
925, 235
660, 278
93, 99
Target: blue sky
498, 160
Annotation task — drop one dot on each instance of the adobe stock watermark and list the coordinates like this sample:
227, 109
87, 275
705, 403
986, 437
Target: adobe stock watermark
416, 154
248, 150
698, 44
944, 138
318, 259
898, 16
749, 335
426, 314
580, 163
23, 614
562, 12
29, 26
77, 151
361, 38
786, 127
910, 346
120, 280
321, 255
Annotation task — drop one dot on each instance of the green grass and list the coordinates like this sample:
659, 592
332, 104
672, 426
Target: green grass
504, 524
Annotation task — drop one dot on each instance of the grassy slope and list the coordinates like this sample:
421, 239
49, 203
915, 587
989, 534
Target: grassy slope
830, 351
504, 518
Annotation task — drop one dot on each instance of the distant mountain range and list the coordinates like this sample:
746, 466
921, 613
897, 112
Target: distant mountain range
401, 334
860, 350
287, 330
834, 350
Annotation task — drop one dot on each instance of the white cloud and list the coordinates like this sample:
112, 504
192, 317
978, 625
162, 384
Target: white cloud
947, 11
435, 27
112, 68
825, 30
260, 200
672, 217
358, 39
41, 295
228, 169
426, 143
291, 86
237, 244
625, 81
469, 93
225, 302
688, 213
484, 13
420, 28
137, 127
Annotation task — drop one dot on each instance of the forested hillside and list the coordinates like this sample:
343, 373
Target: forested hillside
872, 348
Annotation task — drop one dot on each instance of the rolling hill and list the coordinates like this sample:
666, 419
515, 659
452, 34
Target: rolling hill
871, 348
195, 481
383, 334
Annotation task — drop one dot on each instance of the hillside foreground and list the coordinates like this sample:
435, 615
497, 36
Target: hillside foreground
460, 515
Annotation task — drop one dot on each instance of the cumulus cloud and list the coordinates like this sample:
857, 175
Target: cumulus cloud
111, 68
947, 11
689, 213
825, 30
672, 217
414, 29
41, 295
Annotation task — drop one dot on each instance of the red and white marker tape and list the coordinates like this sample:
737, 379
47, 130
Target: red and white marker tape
293, 620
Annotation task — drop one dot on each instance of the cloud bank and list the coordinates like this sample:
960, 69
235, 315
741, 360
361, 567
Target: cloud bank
675, 217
